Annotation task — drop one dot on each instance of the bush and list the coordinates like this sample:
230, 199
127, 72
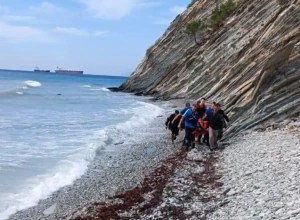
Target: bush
220, 13
193, 27
192, 3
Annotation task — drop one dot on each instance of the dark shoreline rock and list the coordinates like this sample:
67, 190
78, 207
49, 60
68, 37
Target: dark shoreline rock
114, 89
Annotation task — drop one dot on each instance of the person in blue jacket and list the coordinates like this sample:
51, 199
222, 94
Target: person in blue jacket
190, 119
209, 110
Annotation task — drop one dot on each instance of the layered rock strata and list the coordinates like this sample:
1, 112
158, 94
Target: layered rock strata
250, 64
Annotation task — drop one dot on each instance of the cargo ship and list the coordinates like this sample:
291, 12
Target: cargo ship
38, 70
72, 72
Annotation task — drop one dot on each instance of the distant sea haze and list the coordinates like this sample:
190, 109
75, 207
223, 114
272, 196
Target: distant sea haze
51, 126
125, 75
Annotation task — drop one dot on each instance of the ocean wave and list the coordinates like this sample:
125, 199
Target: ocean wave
20, 90
105, 89
32, 83
74, 166
100, 89
9, 92
86, 86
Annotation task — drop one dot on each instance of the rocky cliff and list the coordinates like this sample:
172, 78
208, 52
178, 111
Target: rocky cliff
250, 63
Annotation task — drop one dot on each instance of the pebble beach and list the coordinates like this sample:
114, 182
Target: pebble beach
255, 177
116, 170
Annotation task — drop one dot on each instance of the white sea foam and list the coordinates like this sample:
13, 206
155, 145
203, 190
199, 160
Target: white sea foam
105, 90
32, 83
86, 86
42, 186
20, 90
76, 165
100, 89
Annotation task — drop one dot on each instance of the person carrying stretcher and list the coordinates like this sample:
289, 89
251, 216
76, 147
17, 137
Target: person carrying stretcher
201, 130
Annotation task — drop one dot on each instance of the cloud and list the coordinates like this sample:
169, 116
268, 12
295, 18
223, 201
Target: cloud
115, 10
71, 31
100, 33
79, 32
18, 18
46, 8
177, 9
14, 33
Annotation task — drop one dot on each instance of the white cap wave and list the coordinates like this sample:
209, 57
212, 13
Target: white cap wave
74, 166
32, 83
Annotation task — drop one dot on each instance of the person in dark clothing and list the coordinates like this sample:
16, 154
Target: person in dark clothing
181, 113
222, 112
173, 126
216, 123
226, 119
190, 119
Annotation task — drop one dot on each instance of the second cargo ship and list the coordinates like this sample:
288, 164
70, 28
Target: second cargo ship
72, 72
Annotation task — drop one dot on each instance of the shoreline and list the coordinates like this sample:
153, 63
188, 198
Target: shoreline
157, 180
255, 178
114, 170
147, 200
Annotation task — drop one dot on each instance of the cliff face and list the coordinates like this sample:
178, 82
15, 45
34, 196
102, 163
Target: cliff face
251, 64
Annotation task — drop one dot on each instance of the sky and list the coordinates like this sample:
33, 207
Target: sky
106, 37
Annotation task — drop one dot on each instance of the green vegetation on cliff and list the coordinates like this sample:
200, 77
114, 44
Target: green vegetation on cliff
220, 13
250, 65
194, 27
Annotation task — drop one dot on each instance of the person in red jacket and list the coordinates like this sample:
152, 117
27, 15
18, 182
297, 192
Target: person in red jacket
202, 130
201, 107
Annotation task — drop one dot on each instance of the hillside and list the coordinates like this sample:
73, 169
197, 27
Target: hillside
250, 63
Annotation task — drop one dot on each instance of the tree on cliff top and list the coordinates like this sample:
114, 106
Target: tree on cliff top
193, 27
221, 12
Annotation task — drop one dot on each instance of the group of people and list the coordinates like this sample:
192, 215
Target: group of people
201, 124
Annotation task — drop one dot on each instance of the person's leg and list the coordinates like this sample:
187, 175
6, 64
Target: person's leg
190, 137
200, 139
184, 142
175, 132
183, 128
220, 134
213, 135
206, 139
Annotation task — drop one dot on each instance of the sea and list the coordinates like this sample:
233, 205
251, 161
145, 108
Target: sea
51, 126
